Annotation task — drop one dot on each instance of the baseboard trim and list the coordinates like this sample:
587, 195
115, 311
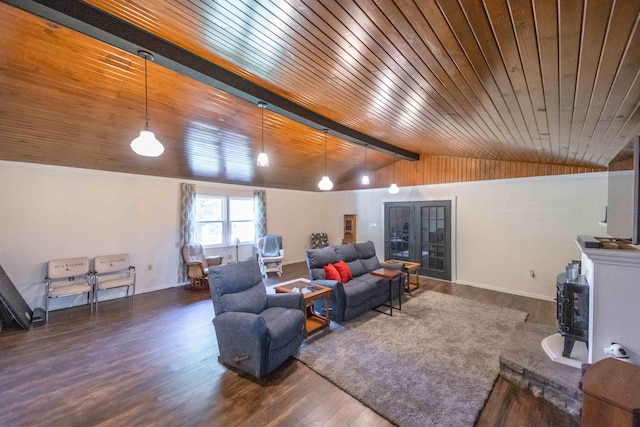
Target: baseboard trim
505, 290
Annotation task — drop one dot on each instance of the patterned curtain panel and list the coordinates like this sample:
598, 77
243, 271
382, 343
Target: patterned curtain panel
260, 212
187, 224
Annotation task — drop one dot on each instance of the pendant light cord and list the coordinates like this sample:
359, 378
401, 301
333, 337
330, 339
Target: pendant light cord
263, 107
325, 151
365, 159
146, 96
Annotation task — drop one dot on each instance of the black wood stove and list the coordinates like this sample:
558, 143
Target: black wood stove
572, 311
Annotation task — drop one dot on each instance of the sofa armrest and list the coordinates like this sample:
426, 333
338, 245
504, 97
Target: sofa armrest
295, 301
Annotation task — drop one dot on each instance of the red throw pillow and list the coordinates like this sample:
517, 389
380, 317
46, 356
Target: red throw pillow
331, 272
344, 270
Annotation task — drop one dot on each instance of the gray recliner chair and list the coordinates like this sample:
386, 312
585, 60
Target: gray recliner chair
256, 332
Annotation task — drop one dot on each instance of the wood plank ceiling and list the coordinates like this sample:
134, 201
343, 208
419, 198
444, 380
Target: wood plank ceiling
553, 82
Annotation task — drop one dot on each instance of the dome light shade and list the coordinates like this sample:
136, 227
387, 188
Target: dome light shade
146, 144
365, 179
325, 184
263, 160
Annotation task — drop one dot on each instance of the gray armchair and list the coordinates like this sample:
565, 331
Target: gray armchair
256, 332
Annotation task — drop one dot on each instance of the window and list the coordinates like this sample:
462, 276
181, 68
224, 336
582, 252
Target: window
222, 219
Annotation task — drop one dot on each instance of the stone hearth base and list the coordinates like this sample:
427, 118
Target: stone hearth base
524, 363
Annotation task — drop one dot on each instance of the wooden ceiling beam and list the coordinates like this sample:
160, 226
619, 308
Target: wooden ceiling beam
93, 22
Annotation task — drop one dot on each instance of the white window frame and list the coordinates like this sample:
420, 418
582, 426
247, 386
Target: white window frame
226, 221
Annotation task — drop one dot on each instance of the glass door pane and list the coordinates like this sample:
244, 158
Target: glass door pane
397, 232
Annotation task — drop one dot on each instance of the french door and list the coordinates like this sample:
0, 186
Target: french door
420, 232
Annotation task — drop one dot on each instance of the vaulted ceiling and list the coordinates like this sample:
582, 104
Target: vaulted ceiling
542, 81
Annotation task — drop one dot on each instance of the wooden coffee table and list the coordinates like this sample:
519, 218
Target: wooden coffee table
311, 293
409, 267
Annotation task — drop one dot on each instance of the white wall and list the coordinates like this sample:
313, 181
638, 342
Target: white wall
52, 212
504, 228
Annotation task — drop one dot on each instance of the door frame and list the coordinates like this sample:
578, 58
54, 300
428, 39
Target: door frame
454, 227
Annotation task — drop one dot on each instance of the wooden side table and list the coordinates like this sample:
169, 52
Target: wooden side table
409, 268
611, 394
389, 274
311, 293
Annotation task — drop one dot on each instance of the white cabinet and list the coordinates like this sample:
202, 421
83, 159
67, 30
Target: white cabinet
614, 300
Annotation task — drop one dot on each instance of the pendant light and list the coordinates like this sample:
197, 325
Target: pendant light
146, 144
393, 189
365, 177
325, 183
263, 158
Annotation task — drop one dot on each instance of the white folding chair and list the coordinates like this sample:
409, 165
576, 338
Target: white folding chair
65, 277
113, 271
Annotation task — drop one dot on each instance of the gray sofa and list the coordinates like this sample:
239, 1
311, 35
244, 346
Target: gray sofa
364, 291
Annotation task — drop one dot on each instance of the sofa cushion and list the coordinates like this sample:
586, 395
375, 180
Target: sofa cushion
331, 273
370, 264
356, 268
357, 292
318, 258
378, 285
347, 252
343, 270
365, 250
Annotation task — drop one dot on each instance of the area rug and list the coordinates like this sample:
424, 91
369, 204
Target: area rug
432, 364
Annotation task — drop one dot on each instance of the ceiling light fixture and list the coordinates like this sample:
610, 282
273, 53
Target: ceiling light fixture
393, 189
263, 158
146, 144
365, 177
325, 183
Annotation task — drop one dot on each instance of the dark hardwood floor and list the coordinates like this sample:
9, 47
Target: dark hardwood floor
155, 363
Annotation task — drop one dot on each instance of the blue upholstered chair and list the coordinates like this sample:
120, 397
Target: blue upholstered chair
256, 332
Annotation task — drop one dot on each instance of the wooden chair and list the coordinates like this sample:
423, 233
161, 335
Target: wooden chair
198, 265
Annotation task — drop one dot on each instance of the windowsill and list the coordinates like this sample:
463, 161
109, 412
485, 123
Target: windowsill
226, 246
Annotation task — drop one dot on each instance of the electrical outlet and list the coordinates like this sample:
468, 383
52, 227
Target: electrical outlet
229, 257
532, 273
149, 268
